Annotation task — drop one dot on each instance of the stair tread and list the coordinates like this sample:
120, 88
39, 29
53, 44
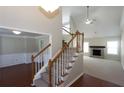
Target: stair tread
69, 67
40, 83
60, 83
65, 75
72, 61
45, 77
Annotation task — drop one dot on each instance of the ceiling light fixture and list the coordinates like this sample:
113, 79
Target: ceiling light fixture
49, 9
88, 20
16, 32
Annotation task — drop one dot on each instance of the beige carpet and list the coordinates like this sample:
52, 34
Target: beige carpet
108, 70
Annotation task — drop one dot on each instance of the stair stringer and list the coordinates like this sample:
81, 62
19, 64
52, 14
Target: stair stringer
39, 74
76, 71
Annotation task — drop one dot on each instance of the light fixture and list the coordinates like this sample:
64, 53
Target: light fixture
49, 9
49, 5
88, 20
16, 32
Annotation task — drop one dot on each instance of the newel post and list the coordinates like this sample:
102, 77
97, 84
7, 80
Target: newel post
73, 40
82, 42
33, 67
50, 72
77, 42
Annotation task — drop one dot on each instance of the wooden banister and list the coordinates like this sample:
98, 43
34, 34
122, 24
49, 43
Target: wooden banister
65, 46
61, 59
57, 54
38, 61
82, 41
42, 50
67, 31
50, 71
72, 39
66, 27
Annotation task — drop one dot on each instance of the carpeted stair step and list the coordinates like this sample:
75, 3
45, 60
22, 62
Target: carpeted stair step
40, 83
45, 77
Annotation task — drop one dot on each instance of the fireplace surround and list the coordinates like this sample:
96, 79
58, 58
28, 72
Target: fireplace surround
97, 51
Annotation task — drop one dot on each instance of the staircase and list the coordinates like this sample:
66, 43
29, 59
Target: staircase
56, 72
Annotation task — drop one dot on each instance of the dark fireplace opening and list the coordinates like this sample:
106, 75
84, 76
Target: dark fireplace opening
96, 52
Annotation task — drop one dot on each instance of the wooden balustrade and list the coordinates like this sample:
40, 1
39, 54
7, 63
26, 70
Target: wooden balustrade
67, 31
38, 60
60, 62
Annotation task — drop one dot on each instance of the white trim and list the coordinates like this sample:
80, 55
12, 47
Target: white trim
16, 36
24, 30
42, 36
74, 80
15, 59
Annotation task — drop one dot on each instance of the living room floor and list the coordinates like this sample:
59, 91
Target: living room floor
99, 73
20, 76
104, 69
90, 81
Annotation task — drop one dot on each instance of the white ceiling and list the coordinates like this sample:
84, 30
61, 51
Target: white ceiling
8, 32
107, 19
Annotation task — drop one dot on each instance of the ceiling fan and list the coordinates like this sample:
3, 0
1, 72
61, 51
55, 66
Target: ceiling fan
88, 20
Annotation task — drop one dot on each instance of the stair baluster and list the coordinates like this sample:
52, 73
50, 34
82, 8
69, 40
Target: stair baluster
38, 61
62, 59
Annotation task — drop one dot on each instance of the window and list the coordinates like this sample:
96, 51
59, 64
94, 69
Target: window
86, 47
112, 47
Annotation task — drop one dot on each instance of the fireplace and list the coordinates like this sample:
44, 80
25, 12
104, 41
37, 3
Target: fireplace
97, 51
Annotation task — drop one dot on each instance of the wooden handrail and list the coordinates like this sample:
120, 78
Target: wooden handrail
60, 50
63, 48
61, 59
66, 27
72, 39
67, 31
42, 50
58, 54
35, 64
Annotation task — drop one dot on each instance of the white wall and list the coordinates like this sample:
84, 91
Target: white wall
122, 39
107, 21
73, 29
73, 25
30, 19
122, 49
103, 42
44, 39
76, 71
45, 42
16, 50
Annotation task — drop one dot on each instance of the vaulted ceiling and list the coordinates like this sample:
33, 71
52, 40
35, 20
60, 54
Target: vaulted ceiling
107, 19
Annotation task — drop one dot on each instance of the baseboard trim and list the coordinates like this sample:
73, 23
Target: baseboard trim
74, 80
